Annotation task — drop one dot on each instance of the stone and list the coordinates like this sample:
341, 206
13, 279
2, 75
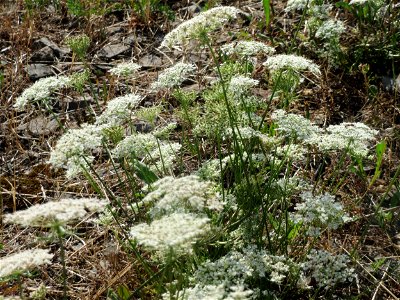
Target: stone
113, 50
37, 71
46, 54
150, 60
42, 126
44, 41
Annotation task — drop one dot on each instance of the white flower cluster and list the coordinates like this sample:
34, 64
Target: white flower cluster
118, 110
231, 273
24, 261
330, 29
164, 157
358, 2
173, 76
209, 20
295, 125
159, 155
212, 169
139, 145
246, 49
292, 184
41, 90
245, 133
284, 62
293, 152
354, 137
319, 212
64, 211
241, 85
212, 292
327, 269
185, 194
73, 149
125, 69
175, 232
293, 5
165, 131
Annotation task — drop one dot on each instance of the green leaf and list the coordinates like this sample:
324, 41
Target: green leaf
267, 11
144, 173
380, 150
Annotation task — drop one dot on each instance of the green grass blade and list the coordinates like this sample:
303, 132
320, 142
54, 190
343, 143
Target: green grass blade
267, 11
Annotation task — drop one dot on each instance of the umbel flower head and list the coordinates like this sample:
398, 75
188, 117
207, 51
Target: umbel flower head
283, 62
64, 211
177, 232
294, 125
174, 76
209, 20
185, 194
327, 269
354, 137
240, 85
159, 155
319, 212
73, 149
330, 29
125, 69
41, 90
247, 48
24, 261
118, 110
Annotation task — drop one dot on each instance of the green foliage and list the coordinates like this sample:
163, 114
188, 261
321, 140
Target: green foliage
79, 45
380, 150
267, 11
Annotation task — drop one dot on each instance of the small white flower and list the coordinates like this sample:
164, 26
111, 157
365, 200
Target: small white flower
73, 149
294, 125
24, 261
358, 2
187, 194
137, 145
330, 29
298, 4
292, 151
174, 76
327, 269
283, 62
159, 155
64, 211
177, 231
41, 90
247, 49
354, 137
125, 69
209, 20
163, 157
118, 110
241, 85
319, 212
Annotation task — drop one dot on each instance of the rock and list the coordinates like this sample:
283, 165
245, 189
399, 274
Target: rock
113, 30
39, 126
150, 60
192, 10
37, 71
43, 42
110, 51
46, 54
132, 39
143, 127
